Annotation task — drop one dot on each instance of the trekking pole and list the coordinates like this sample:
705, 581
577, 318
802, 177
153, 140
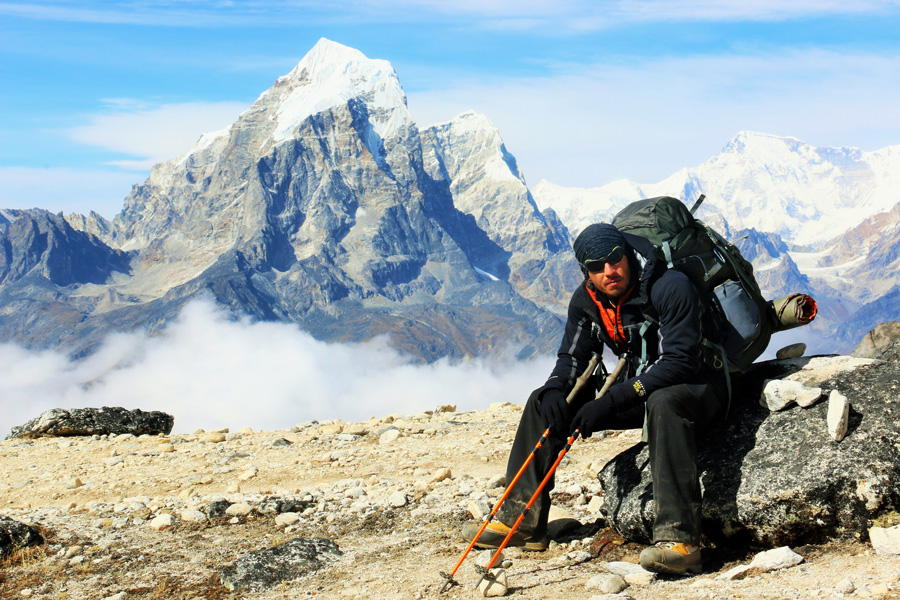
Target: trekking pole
537, 492
610, 379
579, 383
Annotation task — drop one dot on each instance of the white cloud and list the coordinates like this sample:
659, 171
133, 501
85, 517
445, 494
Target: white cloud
66, 189
210, 371
154, 134
644, 120
547, 15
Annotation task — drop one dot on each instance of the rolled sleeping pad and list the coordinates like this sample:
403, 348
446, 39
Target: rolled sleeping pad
793, 311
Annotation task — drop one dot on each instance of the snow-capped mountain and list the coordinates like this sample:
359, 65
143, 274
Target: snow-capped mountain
805, 194
325, 205
818, 220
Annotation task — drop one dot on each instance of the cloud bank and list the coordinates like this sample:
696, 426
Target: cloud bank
210, 370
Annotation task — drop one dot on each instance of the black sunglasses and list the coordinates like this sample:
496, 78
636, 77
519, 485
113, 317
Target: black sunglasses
613, 258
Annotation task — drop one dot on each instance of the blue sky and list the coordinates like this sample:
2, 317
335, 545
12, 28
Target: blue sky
583, 93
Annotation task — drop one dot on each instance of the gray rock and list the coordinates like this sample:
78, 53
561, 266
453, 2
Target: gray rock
263, 569
606, 583
15, 535
777, 558
791, 351
94, 421
883, 342
774, 478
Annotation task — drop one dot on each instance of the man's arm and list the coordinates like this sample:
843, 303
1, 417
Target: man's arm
575, 349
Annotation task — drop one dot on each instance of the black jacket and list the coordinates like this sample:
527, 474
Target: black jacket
673, 339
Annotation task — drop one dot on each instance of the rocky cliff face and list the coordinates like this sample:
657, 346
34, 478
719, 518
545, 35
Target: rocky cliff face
323, 204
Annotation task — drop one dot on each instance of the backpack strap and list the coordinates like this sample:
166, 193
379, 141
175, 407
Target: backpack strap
723, 358
641, 332
667, 251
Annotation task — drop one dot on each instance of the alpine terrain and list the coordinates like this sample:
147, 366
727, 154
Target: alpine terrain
323, 205
327, 206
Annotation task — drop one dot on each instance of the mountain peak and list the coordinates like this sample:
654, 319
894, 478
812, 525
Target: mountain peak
331, 75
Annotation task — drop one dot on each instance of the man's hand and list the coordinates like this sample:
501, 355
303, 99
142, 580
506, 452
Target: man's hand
554, 410
593, 416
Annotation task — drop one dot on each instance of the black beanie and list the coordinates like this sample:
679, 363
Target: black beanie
597, 241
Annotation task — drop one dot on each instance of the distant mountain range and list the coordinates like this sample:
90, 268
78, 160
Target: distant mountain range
325, 205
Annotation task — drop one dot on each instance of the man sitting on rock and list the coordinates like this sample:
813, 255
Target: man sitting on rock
672, 392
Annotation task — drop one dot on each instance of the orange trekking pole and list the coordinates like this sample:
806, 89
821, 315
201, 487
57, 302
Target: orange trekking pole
610, 379
537, 492
579, 383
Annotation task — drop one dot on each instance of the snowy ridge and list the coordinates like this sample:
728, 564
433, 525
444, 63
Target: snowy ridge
805, 194
331, 75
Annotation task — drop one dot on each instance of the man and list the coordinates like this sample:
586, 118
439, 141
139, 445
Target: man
667, 388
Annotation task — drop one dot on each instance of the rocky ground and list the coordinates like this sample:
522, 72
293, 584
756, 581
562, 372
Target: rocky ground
159, 516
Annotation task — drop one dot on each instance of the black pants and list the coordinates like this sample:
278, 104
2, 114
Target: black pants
674, 416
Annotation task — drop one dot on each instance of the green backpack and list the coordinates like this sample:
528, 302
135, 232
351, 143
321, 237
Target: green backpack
738, 320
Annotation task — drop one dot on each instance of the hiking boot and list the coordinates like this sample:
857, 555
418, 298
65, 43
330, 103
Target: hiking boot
672, 558
494, 534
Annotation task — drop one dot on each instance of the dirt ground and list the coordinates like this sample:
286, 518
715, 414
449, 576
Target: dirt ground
392, 493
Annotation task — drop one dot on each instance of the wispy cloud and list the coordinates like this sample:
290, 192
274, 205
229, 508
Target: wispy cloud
152, 134
209, 370
645, 119
568, 15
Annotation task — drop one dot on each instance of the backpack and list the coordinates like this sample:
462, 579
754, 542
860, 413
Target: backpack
738, 321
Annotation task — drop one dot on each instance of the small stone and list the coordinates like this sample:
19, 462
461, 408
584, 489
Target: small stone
398, 499
388, 436
496, 405
845, 586
479, 509
632, 574
497, 481
484, 559
73, 482
495, 584
778, 394
575, 489
76, 560
248, 474
596, 504
25, 592
239, 510
606, 583
193, 516
735, 573
777, 558
441, 475
287, 518
838, 415
355, 429
445, 408
162, 522
332, 429
885, 540
165, 448
215, 437
119, 596
791, 351
280, 443
115, 460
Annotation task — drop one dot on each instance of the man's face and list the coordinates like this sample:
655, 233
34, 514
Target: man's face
614, 280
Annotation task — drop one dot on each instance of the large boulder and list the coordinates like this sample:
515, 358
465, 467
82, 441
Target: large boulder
883, 342
263, 569
94, 421
15, 535
778, 478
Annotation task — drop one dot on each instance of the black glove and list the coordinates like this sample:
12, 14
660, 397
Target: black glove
554, 410
593, 416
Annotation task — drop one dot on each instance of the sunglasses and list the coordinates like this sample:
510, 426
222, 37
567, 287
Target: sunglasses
613, 258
